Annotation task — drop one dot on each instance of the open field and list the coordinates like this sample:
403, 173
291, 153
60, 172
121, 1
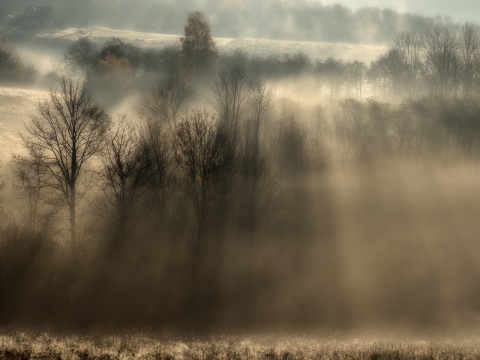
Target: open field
254, 47
127, 346
16, 106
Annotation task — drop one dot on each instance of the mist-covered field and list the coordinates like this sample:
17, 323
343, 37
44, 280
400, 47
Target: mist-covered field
199, 197
255, 47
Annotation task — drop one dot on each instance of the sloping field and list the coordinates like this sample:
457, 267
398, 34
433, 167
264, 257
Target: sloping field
256, 47
16, 106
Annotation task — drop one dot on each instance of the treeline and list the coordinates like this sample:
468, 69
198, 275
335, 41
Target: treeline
201, 218
168, 221
274, 19
440, 61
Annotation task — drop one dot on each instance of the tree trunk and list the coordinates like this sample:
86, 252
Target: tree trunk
72, 209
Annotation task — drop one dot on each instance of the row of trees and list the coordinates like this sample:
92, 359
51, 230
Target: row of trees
199, 209
440, 61
194, 148
217, 208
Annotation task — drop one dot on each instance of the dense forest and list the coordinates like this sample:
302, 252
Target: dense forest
210, 204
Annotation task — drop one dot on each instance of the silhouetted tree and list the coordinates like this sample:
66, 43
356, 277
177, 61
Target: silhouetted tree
69, 129
470, 46
357, 74
389, 73
29, 177
199, 53
334, 73
253, 164
231, 89
200, 151
166, 99
123, 175
81, 54
410, 47
443, 60
2, 184
157, 146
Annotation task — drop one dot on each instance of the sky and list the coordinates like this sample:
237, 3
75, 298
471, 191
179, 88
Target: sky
459, 10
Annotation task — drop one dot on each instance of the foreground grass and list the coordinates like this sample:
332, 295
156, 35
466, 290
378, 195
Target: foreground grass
46, 346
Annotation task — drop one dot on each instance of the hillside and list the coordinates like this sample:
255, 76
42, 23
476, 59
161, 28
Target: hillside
16, 106
254, 47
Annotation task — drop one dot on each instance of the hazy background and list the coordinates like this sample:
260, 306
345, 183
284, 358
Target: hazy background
362, 207
464, 10
351, 21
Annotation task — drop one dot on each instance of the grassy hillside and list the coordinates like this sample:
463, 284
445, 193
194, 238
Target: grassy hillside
257, 47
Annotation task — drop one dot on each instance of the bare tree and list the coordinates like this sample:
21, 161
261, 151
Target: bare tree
2, 185
410, 46
157, 147
470, 56
29, 178
232, 90
254, 167
69, 130
124, 174
442, 60
166, 99
200, 148
358, 70
333, 74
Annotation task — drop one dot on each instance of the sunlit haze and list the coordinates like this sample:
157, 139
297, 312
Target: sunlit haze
239, 179
462, 10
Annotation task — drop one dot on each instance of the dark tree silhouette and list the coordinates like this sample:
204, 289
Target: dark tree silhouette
253, 164
232, 90
124, 174
29, 176
200, 151
166, 99
443, 60
81, 54
199, 52
69, 129
409, 47
470, 46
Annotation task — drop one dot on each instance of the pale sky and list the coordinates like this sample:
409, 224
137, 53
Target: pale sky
459, 10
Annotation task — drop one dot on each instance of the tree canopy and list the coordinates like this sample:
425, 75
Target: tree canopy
199, 51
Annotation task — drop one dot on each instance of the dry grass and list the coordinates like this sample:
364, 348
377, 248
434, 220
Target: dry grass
45, 346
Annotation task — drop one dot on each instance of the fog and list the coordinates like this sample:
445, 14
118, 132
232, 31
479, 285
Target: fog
159, 188
285, 20
465, 10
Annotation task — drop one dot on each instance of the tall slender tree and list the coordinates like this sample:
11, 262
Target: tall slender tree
69, 129
199, 51
124, 174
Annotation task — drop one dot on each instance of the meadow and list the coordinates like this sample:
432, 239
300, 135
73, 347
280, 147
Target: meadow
42, 345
